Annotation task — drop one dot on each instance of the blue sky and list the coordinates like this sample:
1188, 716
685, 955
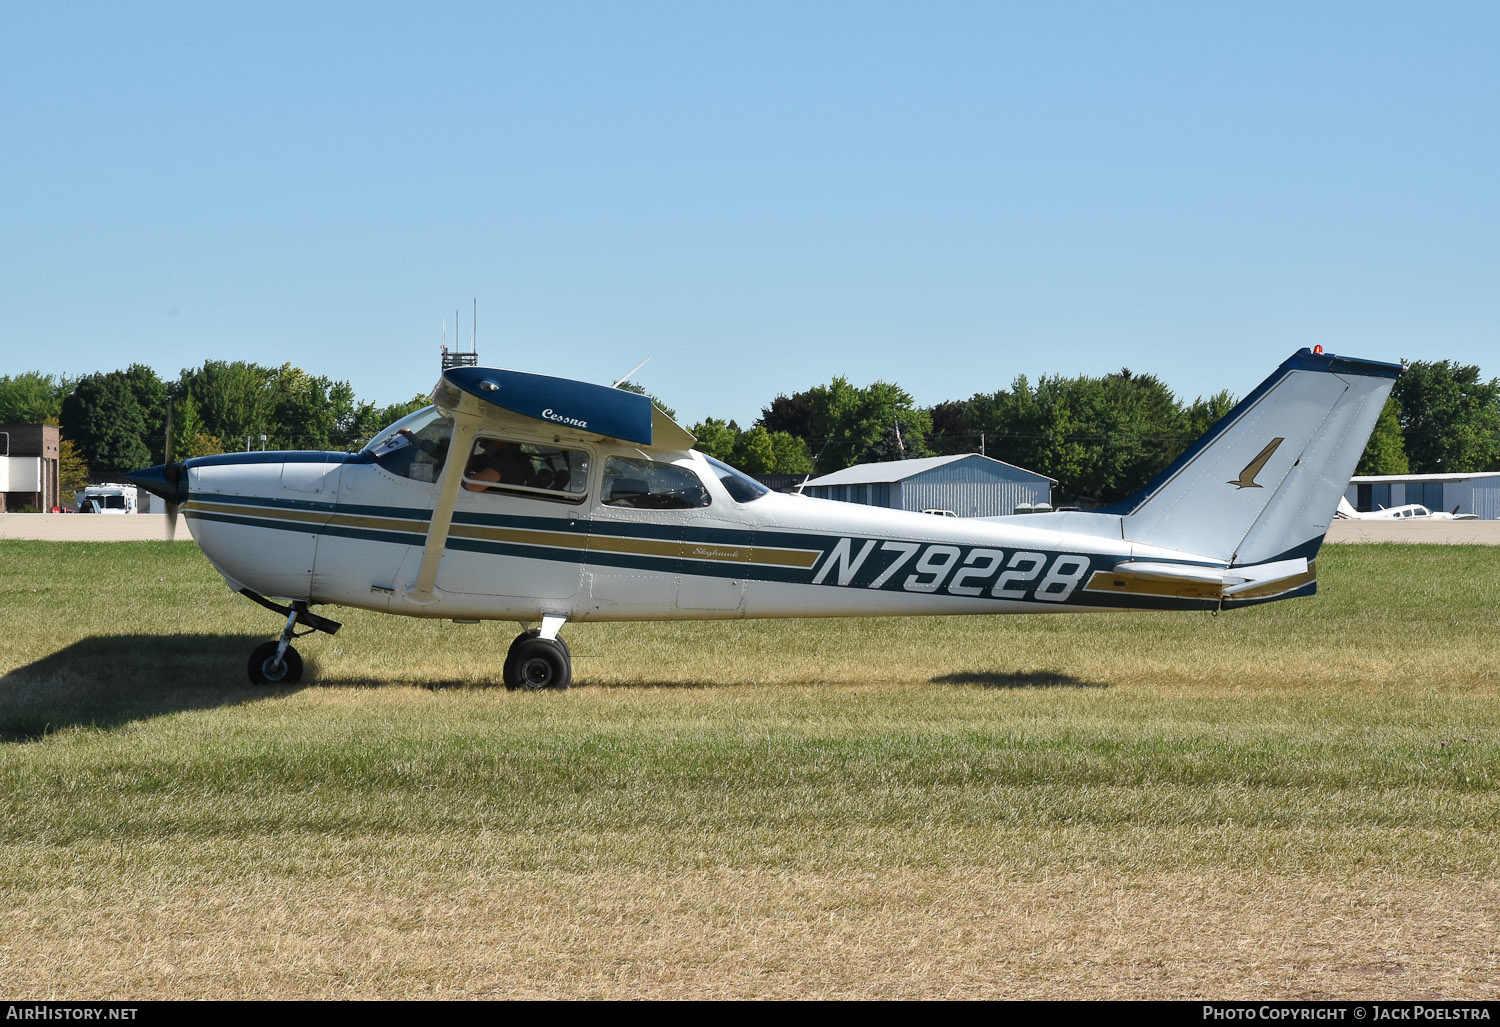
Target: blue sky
759, 196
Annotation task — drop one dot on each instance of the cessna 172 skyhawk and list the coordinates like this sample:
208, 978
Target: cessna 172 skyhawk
542, 500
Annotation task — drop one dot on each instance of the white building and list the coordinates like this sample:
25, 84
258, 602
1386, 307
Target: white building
1477, 493
968, 484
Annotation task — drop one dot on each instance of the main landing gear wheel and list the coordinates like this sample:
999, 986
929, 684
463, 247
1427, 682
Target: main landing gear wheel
265, 670
535, 664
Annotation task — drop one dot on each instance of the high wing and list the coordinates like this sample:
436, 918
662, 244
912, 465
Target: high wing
479, 397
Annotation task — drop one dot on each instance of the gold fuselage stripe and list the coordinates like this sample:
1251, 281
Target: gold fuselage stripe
1143, 585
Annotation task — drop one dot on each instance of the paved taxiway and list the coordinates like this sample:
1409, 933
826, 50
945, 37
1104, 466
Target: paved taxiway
89, 527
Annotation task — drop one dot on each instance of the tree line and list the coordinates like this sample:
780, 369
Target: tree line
1102, 438
118, 420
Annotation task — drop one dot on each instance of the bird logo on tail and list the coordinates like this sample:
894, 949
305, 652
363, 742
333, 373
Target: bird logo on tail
1246, 480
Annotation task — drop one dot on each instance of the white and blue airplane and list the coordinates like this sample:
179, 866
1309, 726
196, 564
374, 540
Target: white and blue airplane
1409, 512
543, 500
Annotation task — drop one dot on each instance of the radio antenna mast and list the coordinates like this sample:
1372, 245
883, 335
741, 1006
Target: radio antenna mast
628, 373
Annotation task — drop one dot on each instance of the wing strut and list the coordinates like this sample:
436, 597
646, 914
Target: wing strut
464, 429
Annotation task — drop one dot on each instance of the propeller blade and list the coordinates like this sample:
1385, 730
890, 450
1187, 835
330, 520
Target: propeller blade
172, 472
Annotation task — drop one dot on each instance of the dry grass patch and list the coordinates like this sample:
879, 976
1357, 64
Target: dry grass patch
1297, 800
967, 933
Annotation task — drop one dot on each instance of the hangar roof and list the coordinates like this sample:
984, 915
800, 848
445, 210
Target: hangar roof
900, 470
1370, 479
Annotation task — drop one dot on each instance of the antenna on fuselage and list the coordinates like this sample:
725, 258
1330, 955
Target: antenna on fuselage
626, 376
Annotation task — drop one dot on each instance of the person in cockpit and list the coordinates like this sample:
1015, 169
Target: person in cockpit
497, 461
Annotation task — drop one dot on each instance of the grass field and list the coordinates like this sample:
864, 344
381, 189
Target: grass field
1297, 800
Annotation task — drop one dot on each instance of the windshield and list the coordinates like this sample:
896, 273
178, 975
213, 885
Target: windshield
415, 446
413, 422
741, 487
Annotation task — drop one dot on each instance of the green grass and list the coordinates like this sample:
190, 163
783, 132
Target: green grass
1274, 772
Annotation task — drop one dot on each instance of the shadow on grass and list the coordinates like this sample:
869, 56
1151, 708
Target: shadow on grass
1016, 679
112, 680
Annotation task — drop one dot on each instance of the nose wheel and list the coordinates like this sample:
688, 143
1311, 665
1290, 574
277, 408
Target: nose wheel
268, 667
536, 664
277, 663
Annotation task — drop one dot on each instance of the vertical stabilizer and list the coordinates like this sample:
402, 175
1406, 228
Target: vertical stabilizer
1264, 482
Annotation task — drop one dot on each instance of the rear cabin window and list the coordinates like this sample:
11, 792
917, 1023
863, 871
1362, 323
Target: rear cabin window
526, 468
651, 485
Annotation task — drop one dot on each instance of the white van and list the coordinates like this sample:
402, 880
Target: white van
107, 499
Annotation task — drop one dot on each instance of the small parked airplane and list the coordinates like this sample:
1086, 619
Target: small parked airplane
543, 500
1411, 511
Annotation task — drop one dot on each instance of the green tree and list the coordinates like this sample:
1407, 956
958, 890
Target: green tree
791, 414
789, 454
1044, 428
1386, 451
233, 398
719, 439
368, 419
1203, 414
32, 398
101, 415
150, 394
953, 429
307, 411
72, 470
1131, 427
1450, 417
756, 451
189, 437
763, 452
1101, 438
860, 425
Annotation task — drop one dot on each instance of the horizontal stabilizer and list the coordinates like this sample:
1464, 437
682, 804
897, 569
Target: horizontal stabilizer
1171, 572
1189, 581
1266, 574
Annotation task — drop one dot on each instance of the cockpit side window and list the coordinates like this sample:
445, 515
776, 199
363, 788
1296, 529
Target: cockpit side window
651, 485
415, 446
526, 468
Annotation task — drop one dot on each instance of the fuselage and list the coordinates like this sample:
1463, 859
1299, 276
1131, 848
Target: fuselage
350, 530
